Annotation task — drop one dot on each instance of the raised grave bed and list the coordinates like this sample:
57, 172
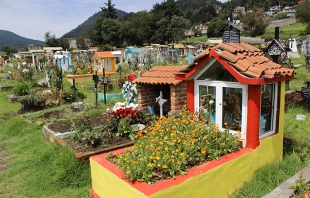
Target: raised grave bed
216, 178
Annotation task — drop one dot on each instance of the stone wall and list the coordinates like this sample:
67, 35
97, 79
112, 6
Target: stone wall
176, 96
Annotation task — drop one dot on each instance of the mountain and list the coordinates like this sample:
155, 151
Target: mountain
83, 28
14, 40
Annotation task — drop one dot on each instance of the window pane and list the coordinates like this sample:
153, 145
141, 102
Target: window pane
267, 108
207, 101
217, 72
232, 108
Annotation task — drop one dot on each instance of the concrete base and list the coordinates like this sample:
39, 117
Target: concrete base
51, 135
284, 191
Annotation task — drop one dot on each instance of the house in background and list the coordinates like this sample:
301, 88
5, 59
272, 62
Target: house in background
290, 11
104, 60
189, 49
63, 60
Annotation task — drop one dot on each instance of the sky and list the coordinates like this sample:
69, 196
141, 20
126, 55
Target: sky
33, 18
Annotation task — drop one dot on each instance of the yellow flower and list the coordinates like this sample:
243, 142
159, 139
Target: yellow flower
150, 165
203, 151
166, 149
239, 133
157, 158
164, 166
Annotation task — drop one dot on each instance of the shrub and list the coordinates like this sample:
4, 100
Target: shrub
93, 137
22, 88
172, 145
71, 96
32, 100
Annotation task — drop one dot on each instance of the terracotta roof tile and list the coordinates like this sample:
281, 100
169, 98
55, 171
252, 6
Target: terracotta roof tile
201, 55
251, 61
243, 65
160, 75
229, 56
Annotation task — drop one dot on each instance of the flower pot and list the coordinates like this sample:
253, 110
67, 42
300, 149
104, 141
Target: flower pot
137, 127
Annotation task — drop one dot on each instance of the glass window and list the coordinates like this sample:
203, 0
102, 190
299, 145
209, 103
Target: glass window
217, 72
232, 108
267, 109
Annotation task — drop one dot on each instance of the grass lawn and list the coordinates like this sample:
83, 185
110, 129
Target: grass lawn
286, 32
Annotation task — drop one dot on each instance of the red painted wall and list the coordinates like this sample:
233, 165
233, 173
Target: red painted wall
253, 117
190, 95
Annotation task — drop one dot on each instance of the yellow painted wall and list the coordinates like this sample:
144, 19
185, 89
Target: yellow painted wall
106, 184
219, 182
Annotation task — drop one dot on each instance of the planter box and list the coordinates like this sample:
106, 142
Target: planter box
82, 156
5, 88
51, 135
13, 98
217, 178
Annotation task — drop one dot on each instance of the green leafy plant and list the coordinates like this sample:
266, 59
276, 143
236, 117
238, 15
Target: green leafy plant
22, 88
301, 188
93, 137
171, 145
71, 96
124, 129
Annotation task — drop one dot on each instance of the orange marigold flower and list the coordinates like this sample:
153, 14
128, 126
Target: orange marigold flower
135, 162
158, 148
166, 149
203, 151
195, 140
239, 133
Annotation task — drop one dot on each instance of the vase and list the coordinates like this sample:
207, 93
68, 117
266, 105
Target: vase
212, 117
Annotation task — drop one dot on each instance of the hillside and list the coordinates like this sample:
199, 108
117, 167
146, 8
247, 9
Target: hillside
83, 28
14, 40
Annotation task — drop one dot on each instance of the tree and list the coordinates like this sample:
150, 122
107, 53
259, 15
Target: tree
178, 25
8, 49
302, 14
137, 29
80, 43
214, 27
50, 40
109, 11
64, 43
110, 31
254, 23
162, 19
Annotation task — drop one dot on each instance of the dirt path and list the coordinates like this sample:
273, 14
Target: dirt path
282, 22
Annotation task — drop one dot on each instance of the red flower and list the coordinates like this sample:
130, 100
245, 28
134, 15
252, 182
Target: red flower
131, 77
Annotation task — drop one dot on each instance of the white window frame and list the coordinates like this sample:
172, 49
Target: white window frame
274, 112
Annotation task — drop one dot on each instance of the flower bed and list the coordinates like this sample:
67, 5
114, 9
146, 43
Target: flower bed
158, 167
